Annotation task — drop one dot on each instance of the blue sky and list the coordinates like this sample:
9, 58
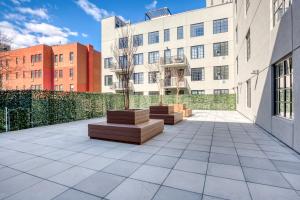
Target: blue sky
30, 22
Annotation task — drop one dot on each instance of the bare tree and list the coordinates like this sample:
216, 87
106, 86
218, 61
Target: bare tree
4, 57
124, 50
178, 75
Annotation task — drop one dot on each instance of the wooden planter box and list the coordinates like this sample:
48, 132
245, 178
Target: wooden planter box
167, 109
130, 126
183, 109
127, 116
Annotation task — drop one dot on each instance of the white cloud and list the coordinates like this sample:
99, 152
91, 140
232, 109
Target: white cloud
151, 5
14, 17
40, 12
84, 35
91, 9
19, 2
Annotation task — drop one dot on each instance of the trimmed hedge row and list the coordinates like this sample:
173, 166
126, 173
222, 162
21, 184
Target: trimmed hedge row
38, 108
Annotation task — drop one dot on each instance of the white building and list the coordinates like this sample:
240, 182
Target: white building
200, 42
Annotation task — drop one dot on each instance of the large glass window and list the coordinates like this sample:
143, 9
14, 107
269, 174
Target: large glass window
197, 30
167, 35
197, 74
153, 77
71, 57
153, 37
198, 92
153, 57
123, 43
279, 8
108, 62
221, 72
138, 78
138, 59
167, 56
197, 52
283, 86
61, 57
123, 62
221, 49
248, 41
180, 53
220, 26
108, 80
138, 40
221, 91
180, 33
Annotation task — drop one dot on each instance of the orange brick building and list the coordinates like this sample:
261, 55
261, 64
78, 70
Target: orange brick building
70, 67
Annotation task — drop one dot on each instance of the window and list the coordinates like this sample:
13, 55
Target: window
61, 58
55, 59
123, 43
197, 74
138, 59
153, 93
237, 65
153, 57
249, 93
153, 37
167, 35
108, 80
221, 72
36, 74
60, 73
138, 40
71, 57
279, 8
221, 91
123, 63
197, 30
220, 26
71, 73
36, 58
56, 74
247, 5
197, 92
138, 93
17, 60
153, 77
221, 49
283, 86
180, 53
108, 63
71, 87
61, 88
138, 78
248, 41
180, 33
167, 56
197, 52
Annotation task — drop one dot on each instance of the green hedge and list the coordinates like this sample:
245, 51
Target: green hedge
37, 108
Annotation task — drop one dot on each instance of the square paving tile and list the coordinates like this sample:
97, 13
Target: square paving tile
50, 170
167, 193
137, 157
96, 150
226, 188
77, 158
56, 155
72, 176
225, 171
224, 150
97, 163
76, 195
293, 179
133, 190
162, 161
44, 190
6, 173
16, 184
224, 159
151, 174
121, 168
115, 153
260, 163
99, 184
289, 167
191, 166
195, 155
15, 157
170, 152
265, 177
186, 181
31, 164
259, 192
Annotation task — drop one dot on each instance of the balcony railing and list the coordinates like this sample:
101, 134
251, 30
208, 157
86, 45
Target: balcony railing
174, 61
120, 86
173, 83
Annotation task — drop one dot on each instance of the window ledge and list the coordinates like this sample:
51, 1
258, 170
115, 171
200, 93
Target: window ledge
291, 121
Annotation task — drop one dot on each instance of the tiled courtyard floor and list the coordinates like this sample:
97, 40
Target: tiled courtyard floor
213, 155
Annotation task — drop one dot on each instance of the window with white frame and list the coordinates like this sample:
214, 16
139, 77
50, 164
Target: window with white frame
153, 57
138, 59
138, 78
279, 8
220, 26
221, 49
123, 43
108, 62
153, 37
153, 77
221, 91
123, 62
108, 80
138, 40
197, 74
198, 92
197, 52
180, 33
167, 35
197, 30
221, 72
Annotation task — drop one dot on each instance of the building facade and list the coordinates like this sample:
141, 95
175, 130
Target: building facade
197, 44
267, 65
70, 67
